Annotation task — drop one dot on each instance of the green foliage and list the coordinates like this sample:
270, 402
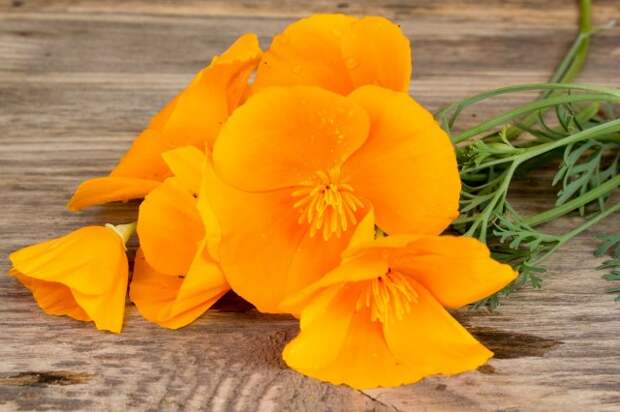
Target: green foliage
610, 245
566, 130
583, 169
574, 126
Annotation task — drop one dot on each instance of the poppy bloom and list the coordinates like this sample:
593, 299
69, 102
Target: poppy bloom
294, 169
82, 274
175, 279
383, 310
194, 117
338, 53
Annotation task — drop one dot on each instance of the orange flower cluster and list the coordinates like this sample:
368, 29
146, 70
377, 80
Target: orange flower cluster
279, 174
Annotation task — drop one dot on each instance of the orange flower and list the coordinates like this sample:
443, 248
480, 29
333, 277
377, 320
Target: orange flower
175, 279
82, 275
378, 318
294, 170
338, 53
193, 118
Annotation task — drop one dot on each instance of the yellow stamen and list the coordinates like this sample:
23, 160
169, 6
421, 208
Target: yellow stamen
326, 204
388, 295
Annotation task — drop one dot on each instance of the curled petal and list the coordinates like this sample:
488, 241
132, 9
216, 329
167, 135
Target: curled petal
143, 159
89, 262
205, 104
109, 189
194, 117
53, 298
171, 301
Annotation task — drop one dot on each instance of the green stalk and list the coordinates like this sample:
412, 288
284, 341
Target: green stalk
527, 87
579, 229
592, 133
534, 106
566, 72
574, 204
571, 65
483, 218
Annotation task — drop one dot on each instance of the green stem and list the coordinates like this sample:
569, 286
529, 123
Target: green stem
574, 204
124, 231
550, 87
534, 106
483, 218
571, 65
579, 229
566, 72
603, 129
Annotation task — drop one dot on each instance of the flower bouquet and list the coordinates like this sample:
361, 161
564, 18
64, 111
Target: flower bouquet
305, 179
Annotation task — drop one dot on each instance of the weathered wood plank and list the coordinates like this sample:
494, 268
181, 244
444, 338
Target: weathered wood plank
78, 79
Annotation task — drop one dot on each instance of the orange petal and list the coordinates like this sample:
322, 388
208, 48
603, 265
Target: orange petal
243, 55
143, 159
281, 137
170, 228
308, 52
91, 262
329, 315
383, 246
174, 302
357, 269
194, 117
213, 94
431, 341
338, 53
53, 298
376, 52
341, 345
186, 164
364, 231
265, 253
213, 230
407, 168
160, 119
456, 270
109, 189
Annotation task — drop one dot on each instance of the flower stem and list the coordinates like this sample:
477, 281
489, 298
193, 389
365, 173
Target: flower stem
576, 203
566, 72
571, 65
579, 229
125, 231
533, 108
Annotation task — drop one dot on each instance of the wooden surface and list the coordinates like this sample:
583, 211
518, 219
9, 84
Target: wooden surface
78, 80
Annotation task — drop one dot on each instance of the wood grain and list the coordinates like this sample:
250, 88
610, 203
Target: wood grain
79, 79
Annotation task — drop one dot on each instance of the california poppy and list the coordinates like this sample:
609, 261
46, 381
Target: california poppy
82, 274
338, 53
175, 279
383, 310
194, 117
294, 170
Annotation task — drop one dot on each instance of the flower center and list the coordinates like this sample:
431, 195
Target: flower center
327, 204
388, 295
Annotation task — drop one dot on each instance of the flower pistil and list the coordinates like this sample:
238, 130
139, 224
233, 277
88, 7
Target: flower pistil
387, 295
